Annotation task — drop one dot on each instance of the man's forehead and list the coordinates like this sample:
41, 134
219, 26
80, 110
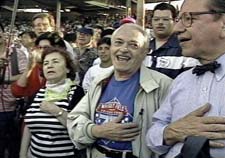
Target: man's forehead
127, 30
163, 13
41, 20
194, 6
130, 39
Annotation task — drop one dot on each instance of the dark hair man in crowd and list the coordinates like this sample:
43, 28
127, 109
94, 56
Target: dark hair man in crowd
165, 54
105, 65
195, 105
112, 119
27, 41
10, 70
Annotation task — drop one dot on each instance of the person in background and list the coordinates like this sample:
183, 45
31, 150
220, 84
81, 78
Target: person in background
165, 53
97, 34
31, 80
85, 52
11, 67
71, 38
195, 105
111, 120
105, 65
27, 42
45, 133
127, 20
107, 32
45, 22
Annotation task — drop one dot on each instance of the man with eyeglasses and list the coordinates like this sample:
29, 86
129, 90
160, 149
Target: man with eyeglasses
165, 55
195, 105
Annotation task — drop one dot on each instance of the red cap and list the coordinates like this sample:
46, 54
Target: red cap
127, 20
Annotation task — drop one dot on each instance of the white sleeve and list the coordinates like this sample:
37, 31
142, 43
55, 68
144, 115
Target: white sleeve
87, 80
69, 48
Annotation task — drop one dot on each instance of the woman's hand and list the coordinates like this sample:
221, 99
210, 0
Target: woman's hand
50, 107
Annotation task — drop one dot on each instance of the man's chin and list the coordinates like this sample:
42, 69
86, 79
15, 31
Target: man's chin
187, 53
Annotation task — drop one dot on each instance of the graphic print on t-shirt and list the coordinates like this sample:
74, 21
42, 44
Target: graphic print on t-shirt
109, 111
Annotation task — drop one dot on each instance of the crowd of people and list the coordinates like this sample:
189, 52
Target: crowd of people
116, 91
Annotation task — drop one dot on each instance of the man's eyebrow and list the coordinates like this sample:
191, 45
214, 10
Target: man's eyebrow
118, 38
53, 59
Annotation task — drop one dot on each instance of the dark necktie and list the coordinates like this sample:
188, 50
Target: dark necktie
201, 69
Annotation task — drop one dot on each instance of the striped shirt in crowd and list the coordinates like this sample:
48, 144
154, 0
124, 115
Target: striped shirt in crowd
49, 138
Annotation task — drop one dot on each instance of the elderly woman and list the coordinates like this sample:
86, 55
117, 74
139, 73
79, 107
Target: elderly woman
45, 133
30, 81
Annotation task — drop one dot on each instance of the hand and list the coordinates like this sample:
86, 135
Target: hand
30, 61
50, 108
196, 124
36, 54
114, 130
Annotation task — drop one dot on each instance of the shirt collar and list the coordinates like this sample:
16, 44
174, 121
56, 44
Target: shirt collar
171, 42
220, 72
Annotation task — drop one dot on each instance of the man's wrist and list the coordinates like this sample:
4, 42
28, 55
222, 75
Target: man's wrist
95, 131
59, 113
168, 138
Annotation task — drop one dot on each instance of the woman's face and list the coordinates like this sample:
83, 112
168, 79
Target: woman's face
54, 67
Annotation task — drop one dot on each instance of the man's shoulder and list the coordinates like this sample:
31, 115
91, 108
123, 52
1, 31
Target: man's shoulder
155, 73
185, 76
171, 47
90, 53
94, 68
91, 50
154, 77
103, 76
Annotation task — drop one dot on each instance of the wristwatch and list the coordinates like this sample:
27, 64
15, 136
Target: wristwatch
59, 113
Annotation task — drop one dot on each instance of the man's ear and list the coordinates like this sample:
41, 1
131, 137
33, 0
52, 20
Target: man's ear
222, 34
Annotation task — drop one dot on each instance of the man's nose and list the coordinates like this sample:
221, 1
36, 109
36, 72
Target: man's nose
101, 51
178, 27
50, 65
41, 27
125, 47
161, 21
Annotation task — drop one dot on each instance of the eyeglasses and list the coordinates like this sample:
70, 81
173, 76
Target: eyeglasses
187, 17
164, 19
